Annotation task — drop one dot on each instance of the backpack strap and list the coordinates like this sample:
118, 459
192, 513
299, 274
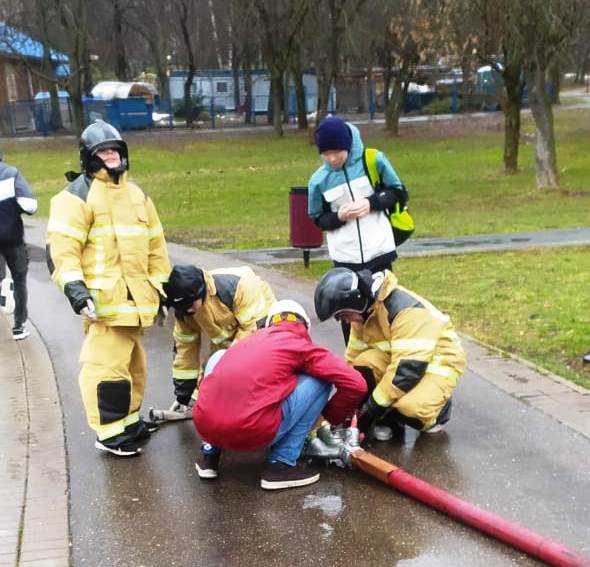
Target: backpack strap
370, 165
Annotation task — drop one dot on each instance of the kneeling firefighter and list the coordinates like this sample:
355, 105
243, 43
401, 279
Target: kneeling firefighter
226, 305
406, 349
106, 250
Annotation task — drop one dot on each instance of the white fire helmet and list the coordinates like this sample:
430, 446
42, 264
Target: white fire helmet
286, 306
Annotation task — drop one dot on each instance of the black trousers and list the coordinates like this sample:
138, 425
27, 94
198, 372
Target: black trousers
17, 260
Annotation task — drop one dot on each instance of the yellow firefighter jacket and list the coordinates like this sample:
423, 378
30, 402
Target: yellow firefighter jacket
236, 304
109, 236
407, 337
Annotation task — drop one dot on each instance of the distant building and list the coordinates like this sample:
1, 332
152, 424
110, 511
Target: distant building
19, 55
217, 87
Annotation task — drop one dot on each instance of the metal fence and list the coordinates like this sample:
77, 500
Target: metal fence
34, 117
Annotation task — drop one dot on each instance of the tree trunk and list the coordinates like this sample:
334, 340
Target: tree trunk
235, 68
163, 85
121, 67
514, 84
285, 98
301, 102
555, 78
47, 66
75, 25
511, 134
545, 152
277, 95
249, 99
394, 106
188, 106
323, 98
583, 67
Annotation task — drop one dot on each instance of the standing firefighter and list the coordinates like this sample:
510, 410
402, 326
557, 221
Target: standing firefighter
406, 349
226, 305
106, 250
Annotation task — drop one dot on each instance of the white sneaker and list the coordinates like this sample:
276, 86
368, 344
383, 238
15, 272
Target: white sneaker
382, 432
121, 451
436, 428
20, 333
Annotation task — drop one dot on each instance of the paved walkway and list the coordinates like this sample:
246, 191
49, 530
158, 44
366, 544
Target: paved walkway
436, 246
34, 528
33, 465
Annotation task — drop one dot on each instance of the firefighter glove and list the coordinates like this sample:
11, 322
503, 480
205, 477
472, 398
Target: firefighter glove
370, 411
78, 295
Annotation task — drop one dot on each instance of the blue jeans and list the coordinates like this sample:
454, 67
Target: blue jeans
300, 410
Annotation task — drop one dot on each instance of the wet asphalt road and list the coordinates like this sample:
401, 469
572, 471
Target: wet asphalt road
154, 511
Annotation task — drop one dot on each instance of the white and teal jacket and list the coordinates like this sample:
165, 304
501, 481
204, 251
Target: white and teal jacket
357, 243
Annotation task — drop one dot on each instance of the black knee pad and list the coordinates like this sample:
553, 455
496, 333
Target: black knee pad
368, 375
397, 416
114, 399
369, 378
445, 412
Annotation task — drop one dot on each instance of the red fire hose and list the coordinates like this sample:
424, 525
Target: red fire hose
519, 537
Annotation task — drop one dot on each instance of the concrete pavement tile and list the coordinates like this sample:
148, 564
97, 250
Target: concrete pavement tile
8, 544
36, 544
49, 562
8, 559
45, 554
47, 535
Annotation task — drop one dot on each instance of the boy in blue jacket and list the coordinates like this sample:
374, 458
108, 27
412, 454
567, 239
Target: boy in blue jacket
343, 202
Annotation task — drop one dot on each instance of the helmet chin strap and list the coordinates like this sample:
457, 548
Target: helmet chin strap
114, 172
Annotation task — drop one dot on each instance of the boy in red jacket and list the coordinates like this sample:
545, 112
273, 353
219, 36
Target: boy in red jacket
267, 391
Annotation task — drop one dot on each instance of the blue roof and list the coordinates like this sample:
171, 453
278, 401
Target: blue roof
14, 42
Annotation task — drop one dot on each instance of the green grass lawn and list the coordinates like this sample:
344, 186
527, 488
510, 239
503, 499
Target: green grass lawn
534, 304
230, 190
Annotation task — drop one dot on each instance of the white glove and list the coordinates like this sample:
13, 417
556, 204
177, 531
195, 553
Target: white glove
89, 311
161, 315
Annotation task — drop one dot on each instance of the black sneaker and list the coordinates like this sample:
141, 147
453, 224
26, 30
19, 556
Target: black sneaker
144, 429
280, 475
586, 358
19, 333
126, 449
207, 463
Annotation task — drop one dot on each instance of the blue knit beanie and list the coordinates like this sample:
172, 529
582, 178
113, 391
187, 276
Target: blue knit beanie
333, 134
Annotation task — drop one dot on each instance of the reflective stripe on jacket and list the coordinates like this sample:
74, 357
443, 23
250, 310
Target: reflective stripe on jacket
415, 337
236, 300
109, 236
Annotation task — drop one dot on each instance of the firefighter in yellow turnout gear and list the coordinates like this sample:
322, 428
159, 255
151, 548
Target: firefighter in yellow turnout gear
406, 349
106, 250
225, 305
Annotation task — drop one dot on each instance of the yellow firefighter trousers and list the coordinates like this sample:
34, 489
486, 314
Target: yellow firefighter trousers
424, 401
112, 378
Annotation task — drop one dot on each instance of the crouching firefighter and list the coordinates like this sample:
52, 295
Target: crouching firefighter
406, 349
106, 250
225, 305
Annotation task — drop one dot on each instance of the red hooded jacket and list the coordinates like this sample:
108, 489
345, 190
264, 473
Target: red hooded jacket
239, 403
